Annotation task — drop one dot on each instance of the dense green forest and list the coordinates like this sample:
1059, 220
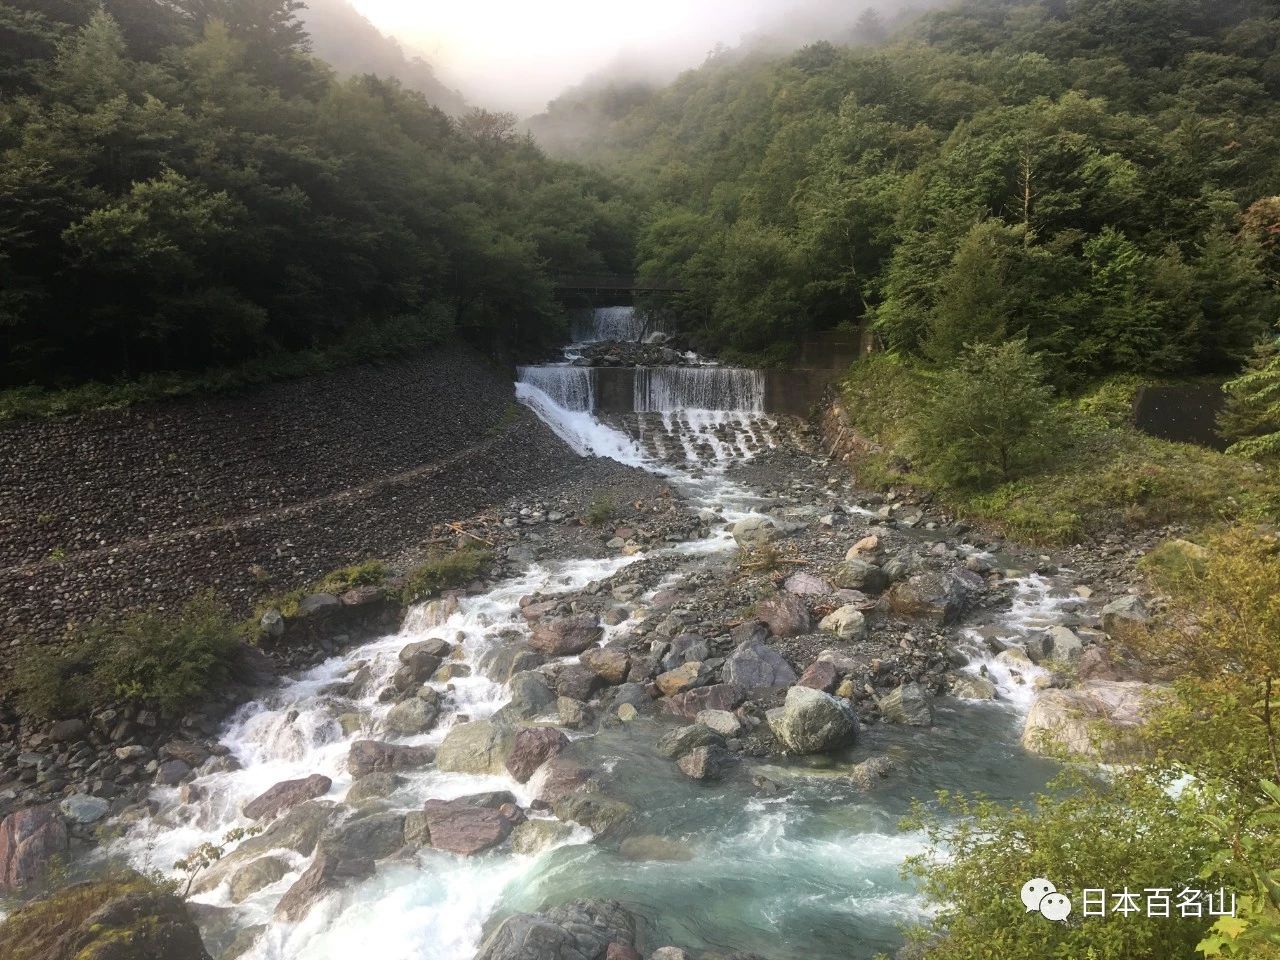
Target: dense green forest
1093, 174
182, 185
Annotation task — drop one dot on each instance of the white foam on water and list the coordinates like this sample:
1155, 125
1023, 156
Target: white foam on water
623, 324
568, 387
579, 429
1035, 607
689, 389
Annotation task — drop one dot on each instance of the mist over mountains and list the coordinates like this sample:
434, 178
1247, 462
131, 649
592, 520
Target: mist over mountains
346, 39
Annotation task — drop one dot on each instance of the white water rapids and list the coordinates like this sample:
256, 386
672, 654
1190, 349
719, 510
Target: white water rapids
811, 874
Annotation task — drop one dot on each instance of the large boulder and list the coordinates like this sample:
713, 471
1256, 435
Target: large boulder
937, 597
718, 696
907, 704
415, 673
298, 830
434, 647
373, 786
502, 661
531, 748
530, 696
1098, 719
416, 715
463, 828
481, 746
561, 777
753, 664
608, 664
967, 686
754, 531
677, 743
285, 795
859, 574
682, 678
375, 756
535, 836
821, 675
581, 930
377, 836
1057, 643
575, 680
81, 808
787, 615
705, 763
684, 648
723, 722
1125, 617
254, 876
811, 721
566, 636
603, 814
807, 585
325, 875
29, 840
847, 622
111, 921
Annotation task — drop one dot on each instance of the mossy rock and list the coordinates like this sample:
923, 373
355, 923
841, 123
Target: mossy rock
121, 919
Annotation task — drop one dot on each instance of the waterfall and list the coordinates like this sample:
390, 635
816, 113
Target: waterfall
611, 323
585, 435
573, 388
659, 389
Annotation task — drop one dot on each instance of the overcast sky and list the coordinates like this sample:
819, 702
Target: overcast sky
518, 54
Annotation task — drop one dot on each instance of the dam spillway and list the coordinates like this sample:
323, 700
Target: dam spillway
666, 389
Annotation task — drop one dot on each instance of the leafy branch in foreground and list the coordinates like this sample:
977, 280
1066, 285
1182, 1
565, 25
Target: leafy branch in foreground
207, 854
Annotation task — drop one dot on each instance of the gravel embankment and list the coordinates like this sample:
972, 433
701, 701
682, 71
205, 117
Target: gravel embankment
150, 505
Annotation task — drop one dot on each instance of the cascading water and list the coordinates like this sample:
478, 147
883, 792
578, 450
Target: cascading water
624, 324
573, 388
660, 389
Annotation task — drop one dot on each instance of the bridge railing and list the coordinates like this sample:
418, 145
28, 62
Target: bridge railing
613, 282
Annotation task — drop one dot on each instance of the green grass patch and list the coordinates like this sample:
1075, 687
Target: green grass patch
444, 570
370, 573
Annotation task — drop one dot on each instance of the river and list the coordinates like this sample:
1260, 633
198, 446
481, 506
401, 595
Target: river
809, 871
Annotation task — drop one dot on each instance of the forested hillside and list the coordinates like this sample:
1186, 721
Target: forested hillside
182, 185
1093, 174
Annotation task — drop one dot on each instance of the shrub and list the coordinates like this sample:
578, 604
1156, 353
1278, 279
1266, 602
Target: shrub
441, 571
1101, 475
600, 511
1225, 617
158, 659
1215, 736
1251, 417
986, 419
52, 683
1127, 832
